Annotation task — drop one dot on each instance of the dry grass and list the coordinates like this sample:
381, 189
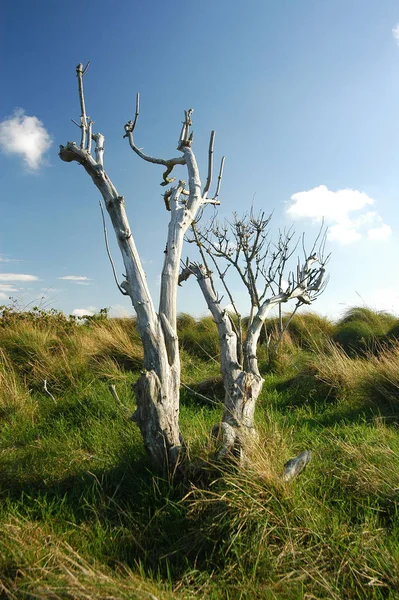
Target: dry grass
65, 358
14, 398
39, 565
374, 378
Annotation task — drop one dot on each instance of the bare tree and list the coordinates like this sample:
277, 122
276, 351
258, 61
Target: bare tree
157, 390
244, 246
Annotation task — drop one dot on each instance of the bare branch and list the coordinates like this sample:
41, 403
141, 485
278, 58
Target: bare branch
186, 137
210, 165
136, 114
209, 400
83, 118
98, 138
220, 177
89, 134
48, 392
122, 291
118, 402
169, 163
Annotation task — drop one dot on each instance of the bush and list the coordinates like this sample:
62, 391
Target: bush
379, 321
355, 337
199, 338
311, 331
393, 333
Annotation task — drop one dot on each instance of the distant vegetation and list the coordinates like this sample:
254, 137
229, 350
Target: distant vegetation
82, 515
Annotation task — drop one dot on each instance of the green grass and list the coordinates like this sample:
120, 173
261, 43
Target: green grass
83, 516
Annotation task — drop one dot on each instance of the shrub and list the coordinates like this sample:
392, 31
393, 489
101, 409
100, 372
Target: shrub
311, 331
199, 338
379, 321
355, 337
393, 333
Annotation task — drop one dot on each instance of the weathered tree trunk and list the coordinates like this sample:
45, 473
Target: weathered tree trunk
242, 383
157, 415
242, 387
157, 391
237, 430
158, 387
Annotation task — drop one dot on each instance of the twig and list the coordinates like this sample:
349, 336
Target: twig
199, 395
119, 404
48, 392
220, 177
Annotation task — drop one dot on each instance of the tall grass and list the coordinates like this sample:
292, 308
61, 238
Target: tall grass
82, 515
373, 379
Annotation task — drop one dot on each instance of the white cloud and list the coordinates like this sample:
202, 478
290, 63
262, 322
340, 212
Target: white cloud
380, 233
321, 202
395, 32
337, 209
17, 277
83, 312
25, 136
343, 233
78, 279
74, 278
8, 287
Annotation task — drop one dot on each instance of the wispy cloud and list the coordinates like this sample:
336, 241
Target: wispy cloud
5, 259
17, 277
77, 279
395, 33
25, 136
8, 287
341, 210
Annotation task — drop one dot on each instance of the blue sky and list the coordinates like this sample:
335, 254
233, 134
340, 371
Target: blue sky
304, 98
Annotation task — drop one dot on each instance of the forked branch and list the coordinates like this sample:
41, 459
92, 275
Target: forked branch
170, 163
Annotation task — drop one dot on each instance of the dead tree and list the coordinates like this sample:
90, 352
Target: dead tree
243, 245
157, 390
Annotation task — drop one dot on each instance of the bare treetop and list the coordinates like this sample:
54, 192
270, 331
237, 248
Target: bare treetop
262, 264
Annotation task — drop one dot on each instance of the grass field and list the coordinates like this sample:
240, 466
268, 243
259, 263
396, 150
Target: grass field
83, 517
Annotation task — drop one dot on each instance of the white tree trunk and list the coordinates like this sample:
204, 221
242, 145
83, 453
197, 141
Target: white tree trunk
242, 383
157, 389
